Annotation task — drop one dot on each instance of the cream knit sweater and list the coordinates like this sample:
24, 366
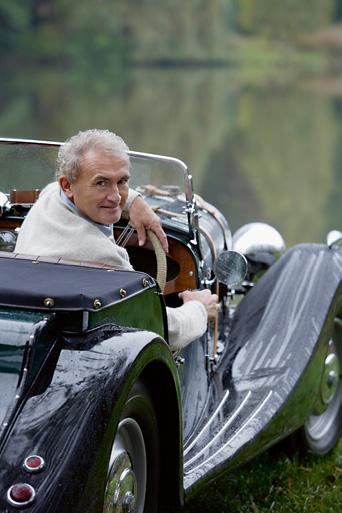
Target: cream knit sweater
51, 229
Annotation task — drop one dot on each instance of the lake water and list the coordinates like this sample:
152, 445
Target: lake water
261, 148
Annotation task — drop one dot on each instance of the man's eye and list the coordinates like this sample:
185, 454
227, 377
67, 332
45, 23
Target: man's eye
123, 181
101, 183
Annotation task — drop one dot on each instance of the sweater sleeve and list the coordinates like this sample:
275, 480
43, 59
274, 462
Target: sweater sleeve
186, 323
132, 194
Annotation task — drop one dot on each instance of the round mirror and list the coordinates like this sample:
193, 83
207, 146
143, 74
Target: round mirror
231, 267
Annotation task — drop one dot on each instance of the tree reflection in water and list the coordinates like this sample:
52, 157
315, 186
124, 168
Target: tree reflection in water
258, 149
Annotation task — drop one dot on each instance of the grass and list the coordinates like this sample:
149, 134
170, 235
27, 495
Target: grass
276, 482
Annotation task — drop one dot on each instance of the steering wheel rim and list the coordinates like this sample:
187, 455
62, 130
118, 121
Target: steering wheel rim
160, 255
161, 259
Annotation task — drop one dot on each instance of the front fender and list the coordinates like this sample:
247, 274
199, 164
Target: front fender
72, 423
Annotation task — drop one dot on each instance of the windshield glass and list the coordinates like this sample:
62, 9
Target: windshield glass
26, 166
32, 166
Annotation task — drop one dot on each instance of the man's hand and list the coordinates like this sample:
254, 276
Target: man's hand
208, 300
143, 218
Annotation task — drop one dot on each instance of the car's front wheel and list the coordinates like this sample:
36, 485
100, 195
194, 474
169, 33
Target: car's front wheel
132, 479
322, 430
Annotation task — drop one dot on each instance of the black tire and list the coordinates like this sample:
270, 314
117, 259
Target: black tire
137, 434
322, 432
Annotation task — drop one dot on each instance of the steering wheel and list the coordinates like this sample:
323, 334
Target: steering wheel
158, 250
161, 259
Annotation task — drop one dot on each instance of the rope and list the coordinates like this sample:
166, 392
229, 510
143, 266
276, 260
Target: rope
161, 259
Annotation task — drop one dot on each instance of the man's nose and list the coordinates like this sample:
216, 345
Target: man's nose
114, 194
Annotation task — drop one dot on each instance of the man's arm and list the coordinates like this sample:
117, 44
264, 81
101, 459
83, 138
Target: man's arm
143, 218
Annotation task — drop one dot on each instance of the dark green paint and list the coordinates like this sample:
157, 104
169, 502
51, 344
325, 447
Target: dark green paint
16, 328
143, 311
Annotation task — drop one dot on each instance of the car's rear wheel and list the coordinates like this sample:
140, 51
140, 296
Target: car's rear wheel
322, 430
132, 480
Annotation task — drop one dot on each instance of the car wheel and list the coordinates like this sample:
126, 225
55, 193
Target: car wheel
132, 479
323, 430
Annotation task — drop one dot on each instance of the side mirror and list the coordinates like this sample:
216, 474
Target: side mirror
231, 268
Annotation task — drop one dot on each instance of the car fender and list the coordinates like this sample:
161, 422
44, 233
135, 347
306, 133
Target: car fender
72, 423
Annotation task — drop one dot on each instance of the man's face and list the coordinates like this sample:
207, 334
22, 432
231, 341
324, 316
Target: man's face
101, 189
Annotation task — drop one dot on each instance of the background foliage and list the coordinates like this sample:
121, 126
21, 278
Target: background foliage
149, 30
233, 87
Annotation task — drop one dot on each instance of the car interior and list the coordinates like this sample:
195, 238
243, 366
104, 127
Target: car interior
181, 266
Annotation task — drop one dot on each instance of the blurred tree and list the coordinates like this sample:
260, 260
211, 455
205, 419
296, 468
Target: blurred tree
14, 19
282, 20
338, 11
150, 30
287, 152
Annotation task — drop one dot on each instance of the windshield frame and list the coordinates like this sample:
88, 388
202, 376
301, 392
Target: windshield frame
188, 189
190, 210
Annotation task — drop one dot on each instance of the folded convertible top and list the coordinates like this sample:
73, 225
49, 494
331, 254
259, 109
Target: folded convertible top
60, 285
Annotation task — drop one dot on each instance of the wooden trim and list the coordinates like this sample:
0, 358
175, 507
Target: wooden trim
187, 276
27, 197
10, 224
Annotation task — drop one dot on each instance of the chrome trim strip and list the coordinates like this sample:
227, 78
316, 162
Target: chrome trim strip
208, 424
10, 140
224, 427
254, 414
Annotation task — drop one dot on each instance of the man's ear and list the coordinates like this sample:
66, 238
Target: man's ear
65, 185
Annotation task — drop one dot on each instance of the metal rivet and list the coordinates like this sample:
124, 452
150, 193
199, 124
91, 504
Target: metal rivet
145, 282
123, 293
97, 303
49, 302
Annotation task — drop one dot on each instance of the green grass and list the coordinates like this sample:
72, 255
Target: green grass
276, 482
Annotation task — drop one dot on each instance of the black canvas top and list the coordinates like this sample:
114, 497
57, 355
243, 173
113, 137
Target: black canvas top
34, 283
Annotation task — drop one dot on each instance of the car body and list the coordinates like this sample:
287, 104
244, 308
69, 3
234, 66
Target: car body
112, 419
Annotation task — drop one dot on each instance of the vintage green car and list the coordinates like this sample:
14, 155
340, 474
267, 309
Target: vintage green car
97, 414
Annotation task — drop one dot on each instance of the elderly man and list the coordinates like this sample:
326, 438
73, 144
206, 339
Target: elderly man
74, 216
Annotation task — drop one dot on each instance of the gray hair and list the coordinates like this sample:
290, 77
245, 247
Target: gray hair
71, 152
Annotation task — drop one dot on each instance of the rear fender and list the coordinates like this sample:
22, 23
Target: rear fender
72, 423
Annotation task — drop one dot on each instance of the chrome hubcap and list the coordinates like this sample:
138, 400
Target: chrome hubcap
128, 502
126, 481
121, 486
318, 425
330, 379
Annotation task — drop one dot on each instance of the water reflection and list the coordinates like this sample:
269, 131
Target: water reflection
259, 150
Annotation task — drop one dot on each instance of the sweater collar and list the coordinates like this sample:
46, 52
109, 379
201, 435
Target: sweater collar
107, 229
